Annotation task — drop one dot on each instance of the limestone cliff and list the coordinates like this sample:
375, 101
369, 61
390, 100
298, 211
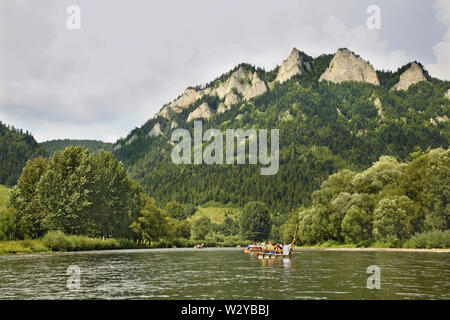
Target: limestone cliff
202, 111
156, 131
346, 66
413, 75
293, 65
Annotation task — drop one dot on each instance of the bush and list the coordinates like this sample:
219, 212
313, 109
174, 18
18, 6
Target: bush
429, 240
56, 241
388, 242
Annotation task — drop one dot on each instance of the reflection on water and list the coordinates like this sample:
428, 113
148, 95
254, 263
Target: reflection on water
224, 274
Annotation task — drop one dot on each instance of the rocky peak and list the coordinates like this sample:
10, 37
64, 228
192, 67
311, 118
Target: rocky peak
293, 65
248, 84
203, 111
413, 75
346, 66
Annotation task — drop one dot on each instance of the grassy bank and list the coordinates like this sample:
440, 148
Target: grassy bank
56, 241
22, 246
59, 242
427, 240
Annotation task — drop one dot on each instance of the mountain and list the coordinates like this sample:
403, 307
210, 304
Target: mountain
16, 148
346, 66
93, 146
332, 112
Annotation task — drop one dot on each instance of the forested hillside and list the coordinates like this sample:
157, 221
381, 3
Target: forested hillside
324, 127
16, 148
92, 145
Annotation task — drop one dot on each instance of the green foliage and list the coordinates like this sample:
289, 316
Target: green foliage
151, 224
7, 225
429, 240
93, 146
392, 217
389, 202
200, 228
75, 193
4, 197
255, 223
177, 210
356, 225
16, 148
22, 246
58, 241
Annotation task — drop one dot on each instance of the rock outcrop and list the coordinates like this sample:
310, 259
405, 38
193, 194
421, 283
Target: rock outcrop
293, 65
173, 125
203, 112
222, 108
379, 106
413, 75
346, 66
156, 130
183, 102
134, 137
231, 99
248, 84
285, 116
447, 94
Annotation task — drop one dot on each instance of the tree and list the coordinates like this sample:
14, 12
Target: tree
393, 216
65, 190
356, 225
176, 210
25, 203
75, 193
151, 224
201, 227
255, 223
7, 225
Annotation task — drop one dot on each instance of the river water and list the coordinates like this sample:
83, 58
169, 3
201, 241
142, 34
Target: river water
223, 274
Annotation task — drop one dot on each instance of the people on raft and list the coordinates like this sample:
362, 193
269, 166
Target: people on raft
272, 248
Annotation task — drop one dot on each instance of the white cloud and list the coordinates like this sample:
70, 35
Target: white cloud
441, 69
129, 59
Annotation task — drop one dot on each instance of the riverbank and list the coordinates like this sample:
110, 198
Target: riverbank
38, 246
373, 249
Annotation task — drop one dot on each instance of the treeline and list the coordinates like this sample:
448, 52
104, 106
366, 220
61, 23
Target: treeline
390, 201
16, 148
93, 146
76, 193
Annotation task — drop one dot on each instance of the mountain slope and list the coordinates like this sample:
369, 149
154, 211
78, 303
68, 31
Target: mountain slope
324, 127
92, 145
16, 148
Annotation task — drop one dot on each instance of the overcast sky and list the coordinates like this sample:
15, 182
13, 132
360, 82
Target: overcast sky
132, 56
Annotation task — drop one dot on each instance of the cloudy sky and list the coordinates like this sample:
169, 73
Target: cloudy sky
131, 56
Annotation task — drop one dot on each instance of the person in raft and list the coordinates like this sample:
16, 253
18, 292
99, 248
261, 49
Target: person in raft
287, 248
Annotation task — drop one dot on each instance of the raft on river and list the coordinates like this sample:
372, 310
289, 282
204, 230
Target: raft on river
271, 255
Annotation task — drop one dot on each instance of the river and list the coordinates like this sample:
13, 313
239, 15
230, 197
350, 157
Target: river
223, 274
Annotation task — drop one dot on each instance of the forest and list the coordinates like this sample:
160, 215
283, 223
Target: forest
16, 148
359, 164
